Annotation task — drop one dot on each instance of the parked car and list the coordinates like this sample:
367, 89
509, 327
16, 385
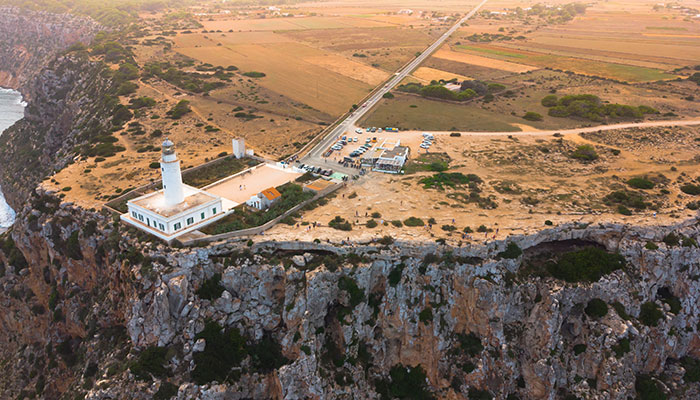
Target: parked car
373, 129
358, 130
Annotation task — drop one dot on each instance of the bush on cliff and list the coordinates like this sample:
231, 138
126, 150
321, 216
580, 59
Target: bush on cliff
150, 363
223, 351
586, 265
211, 288
404, 383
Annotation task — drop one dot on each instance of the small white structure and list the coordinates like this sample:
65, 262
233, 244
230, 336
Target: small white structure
264, 199
177, 208
239, 147
392, 161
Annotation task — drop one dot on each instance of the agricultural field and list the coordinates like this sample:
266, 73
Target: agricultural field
408, 112
623, 52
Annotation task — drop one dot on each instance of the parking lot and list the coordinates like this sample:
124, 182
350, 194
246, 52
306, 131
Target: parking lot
349, 147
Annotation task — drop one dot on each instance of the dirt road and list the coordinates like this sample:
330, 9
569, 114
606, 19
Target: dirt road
649, 124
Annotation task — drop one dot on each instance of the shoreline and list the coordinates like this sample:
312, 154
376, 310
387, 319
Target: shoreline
11, 113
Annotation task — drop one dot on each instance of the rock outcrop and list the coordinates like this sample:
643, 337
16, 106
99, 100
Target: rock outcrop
30, 39
349, 319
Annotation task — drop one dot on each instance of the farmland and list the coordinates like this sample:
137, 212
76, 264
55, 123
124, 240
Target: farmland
415, 113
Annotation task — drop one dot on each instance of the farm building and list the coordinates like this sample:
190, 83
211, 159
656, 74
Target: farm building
264, 199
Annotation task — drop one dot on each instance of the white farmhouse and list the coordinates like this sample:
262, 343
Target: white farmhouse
264, 199
177, 208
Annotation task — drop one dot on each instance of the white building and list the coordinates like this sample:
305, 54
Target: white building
264, 199
238, 147
177, 208
392, 161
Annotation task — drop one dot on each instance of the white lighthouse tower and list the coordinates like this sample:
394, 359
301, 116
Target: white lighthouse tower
172, 177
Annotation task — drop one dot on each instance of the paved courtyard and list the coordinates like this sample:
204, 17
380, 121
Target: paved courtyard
239, 188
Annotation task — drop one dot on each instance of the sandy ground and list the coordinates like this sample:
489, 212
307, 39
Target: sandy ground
564, 190
240, 188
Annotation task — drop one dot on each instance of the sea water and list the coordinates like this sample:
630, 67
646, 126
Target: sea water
11, 110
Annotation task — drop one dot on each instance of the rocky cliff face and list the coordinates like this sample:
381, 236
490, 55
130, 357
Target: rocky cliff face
67, 108
64, 89
94, 310
29, 40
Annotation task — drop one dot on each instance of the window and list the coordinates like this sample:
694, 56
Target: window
140, 217
190, 220
213, 210
148, 221
133, 214
162, 228
202, 215
177, 226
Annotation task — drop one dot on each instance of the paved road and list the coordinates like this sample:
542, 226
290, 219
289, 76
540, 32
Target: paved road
315, 156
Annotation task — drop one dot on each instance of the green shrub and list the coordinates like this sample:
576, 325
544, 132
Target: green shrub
691, 189
150, 363
621, 348
667, 297
73, 246
585, 265
388, 95
404, 383
166, 391
254, 74
648, 389
623, 210
223, 351
649, 314
511, 252
549, 100
641, 183
349, 285
340, 224
154, 165
672, 239
395, 274
579, 348
596, 308
211, 288
585, 152
476, 394
426, 315
469, 344
397, 223
532, 116
651, 246
413, 221
371, 224
179, 110
620, 310
692, 369
267, 355
626, 198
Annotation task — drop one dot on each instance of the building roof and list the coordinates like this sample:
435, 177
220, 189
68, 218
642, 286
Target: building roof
155, 202
397, 151
271, 193
318, 185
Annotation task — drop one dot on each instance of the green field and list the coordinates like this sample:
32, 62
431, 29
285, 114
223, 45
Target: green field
494, 52
437, 116
621, 72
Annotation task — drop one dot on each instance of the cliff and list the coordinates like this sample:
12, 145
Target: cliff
95, 310
64, 90
30, 39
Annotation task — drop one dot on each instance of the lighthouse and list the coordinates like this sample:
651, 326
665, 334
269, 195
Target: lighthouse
172, 177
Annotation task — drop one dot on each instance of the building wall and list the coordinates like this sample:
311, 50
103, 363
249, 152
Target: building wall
177, 222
